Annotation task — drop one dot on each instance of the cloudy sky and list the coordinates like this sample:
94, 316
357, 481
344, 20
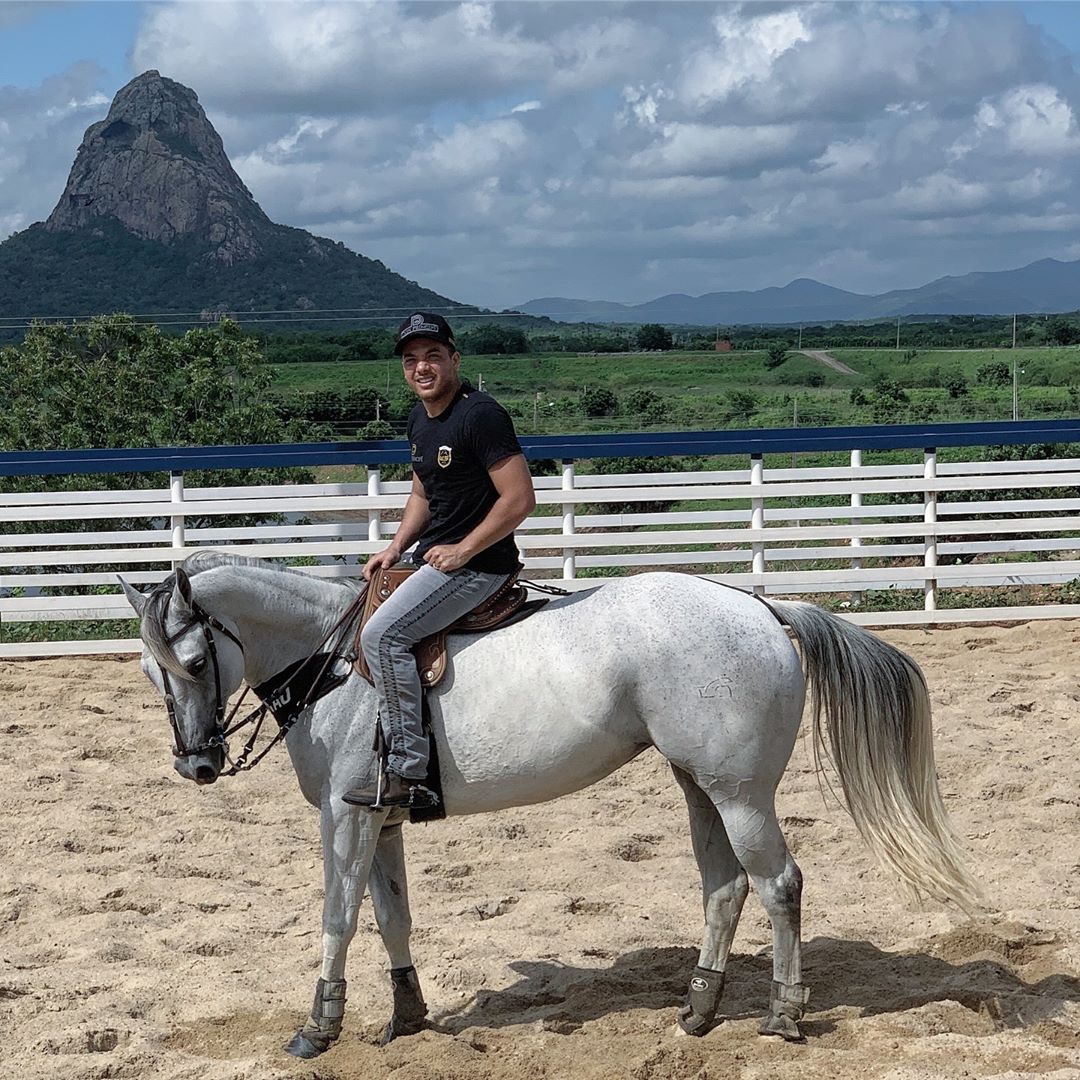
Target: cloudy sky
499, 152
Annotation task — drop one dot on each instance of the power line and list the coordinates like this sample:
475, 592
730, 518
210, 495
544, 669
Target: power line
241, 318
252, 311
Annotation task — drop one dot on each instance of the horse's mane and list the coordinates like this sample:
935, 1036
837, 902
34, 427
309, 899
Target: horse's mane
154, 634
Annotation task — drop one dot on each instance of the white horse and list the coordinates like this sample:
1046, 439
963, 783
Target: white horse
706, 674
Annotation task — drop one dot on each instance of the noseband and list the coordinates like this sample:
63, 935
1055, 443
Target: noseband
207, 623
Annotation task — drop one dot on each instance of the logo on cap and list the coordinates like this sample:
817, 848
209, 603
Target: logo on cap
418, 324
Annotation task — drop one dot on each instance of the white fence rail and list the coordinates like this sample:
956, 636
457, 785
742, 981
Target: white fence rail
775, 531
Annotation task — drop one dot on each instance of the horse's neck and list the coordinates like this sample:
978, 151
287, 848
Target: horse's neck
280, 618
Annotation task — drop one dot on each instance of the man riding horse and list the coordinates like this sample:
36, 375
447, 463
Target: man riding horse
471, 489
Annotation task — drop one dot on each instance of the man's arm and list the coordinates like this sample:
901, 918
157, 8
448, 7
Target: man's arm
414, 520
515, 503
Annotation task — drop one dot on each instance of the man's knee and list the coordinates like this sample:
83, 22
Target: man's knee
381, 634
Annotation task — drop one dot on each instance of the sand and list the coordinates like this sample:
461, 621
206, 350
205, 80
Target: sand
149, 928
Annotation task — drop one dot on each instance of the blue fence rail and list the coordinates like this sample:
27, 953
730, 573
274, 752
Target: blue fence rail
566, 447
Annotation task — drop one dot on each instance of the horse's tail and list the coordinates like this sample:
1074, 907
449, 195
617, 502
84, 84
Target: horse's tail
877, 734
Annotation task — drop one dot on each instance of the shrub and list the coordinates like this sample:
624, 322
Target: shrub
599, 402
994, 373
777, 354
376, 429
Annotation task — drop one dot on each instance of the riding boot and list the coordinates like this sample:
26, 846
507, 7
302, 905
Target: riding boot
394, 790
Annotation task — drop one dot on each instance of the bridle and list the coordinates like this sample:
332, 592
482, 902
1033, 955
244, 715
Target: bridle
223, 725
203, 620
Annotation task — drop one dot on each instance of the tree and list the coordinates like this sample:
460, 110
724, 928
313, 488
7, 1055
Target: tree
889, 401
654, 336
647, 404
599, 402
1060, 332
956, 383
777, 354
741, 403
490, 339
375, 429
113, 382
994, 373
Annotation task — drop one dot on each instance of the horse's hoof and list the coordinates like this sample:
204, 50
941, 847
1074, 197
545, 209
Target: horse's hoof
398, 1029
692, 1023
783, 1026
308, 1044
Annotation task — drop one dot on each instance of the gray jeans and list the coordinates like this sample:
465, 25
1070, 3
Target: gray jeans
427, 601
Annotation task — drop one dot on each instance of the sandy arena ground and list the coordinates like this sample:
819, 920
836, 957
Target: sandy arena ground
149, 928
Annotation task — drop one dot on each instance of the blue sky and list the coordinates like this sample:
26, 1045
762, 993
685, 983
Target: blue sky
611, 151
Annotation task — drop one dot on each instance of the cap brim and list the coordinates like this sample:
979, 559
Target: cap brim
399, 348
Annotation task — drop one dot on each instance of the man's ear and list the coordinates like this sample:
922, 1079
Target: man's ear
134, 597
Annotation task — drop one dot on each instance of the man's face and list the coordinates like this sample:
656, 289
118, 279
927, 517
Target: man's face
431, 369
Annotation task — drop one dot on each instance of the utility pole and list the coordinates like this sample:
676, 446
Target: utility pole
536, 408
897, 333
1016, 394
1014, 331
800, 337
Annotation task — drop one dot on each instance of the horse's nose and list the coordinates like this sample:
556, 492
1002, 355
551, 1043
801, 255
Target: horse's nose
205, 774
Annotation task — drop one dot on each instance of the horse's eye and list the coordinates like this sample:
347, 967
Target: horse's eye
197, 666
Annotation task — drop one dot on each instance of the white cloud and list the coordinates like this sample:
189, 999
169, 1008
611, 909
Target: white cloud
701, 150
1034, 119
648, 147
941, 194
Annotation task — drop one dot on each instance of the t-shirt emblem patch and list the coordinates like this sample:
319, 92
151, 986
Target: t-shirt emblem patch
445, 454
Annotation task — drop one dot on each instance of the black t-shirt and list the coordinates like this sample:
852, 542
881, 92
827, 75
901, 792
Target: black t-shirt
451, 453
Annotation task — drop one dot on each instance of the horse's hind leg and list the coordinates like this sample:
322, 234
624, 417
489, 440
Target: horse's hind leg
759, 845
724, 888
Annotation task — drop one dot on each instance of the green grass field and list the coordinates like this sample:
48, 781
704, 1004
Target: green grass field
738, 389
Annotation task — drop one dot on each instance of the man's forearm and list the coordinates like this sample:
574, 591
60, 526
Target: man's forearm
414, 520
505, 515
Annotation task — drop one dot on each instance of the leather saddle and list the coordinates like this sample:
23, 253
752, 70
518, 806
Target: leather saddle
431, 658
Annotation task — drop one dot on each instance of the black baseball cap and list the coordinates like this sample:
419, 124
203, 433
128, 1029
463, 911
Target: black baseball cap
424, 324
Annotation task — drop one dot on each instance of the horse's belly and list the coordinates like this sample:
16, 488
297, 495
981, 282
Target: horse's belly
479, 777
511, 733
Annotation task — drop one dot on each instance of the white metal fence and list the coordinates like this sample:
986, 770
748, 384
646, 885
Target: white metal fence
776, 531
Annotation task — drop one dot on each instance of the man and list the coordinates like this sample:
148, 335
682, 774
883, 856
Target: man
471, 488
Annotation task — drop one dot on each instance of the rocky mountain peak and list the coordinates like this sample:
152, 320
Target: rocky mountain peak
156, 165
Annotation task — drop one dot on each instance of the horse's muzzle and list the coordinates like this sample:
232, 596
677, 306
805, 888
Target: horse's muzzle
202, 768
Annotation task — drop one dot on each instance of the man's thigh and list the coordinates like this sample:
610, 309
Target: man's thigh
426, 602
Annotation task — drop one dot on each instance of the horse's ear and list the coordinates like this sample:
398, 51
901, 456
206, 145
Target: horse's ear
182, 592
134, 597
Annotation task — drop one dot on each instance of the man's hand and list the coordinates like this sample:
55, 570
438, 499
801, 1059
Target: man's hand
386, 557
447, 557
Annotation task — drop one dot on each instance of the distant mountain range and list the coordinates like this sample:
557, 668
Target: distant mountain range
1044, 286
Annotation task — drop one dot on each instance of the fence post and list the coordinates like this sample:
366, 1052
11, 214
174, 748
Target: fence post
757, 516
176, 498
374, 515
856, 541
569, 563
930, 537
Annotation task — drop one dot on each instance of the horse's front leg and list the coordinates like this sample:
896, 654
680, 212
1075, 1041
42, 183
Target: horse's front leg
349, 840
390, 898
